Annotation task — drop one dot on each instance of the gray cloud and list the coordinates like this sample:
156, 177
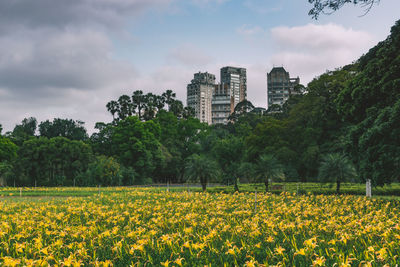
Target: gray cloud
41, 59
57, 58
308, 51
60, 13
190, 55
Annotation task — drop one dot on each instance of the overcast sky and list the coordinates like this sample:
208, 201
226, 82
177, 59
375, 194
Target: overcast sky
68, 58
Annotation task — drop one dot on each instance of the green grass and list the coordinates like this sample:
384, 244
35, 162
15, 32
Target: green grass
388, 191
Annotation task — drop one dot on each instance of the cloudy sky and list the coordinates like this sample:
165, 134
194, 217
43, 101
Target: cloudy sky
68, 58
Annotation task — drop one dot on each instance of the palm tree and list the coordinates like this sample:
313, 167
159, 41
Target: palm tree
246, 171
336, 167
125, 106
112, 107
169, 96
268, 167
201, 168
138, 100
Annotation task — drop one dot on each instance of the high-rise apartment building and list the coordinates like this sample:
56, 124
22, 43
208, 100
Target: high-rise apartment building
236, 79
227, 94
280, 86
222, 104
199, 95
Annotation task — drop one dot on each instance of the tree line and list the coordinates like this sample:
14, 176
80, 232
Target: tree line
346, 126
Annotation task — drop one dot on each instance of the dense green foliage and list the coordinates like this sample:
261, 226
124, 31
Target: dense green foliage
51, 162
350, 114
70, 129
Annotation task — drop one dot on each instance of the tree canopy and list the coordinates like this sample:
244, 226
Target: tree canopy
330, 6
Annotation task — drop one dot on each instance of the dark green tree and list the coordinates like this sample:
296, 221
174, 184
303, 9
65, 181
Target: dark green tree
136, 145
68, 128
138, 100
52, 162
241, 109
229, 153
268, 168
101, 141
113, 107
150, 106
126, 107
370, 104
201, 168
24, 131
337, 168
8, 154
103, 171
169, 97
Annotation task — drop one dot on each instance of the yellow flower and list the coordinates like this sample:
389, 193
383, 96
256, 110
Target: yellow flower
270, 239
231, 252
188, 230
279, 250
251, 263
382, 254
10, 262
186, 244
301, 252
179, 261
319, 261
165, 263
312, 242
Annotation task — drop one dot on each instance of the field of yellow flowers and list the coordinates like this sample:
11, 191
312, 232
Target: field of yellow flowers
141, 227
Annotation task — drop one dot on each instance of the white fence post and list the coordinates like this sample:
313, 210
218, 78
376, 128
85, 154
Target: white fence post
368, 188
255, 200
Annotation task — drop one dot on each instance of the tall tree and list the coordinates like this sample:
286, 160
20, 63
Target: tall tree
241, 108
8, 154
229, 153
201, 168
336, 167
101, 141
126, 107
267, 167
24, 131
113, 107
177, 108
150, 106
136, 144
138, 100
169, 97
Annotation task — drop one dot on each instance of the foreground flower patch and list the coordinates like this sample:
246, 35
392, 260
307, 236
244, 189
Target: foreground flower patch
145, 228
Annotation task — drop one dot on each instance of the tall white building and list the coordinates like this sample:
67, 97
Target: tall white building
199, 95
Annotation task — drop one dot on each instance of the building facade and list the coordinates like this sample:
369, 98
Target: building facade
199, 95
236, 78
280, 86
227, 94
222, 104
